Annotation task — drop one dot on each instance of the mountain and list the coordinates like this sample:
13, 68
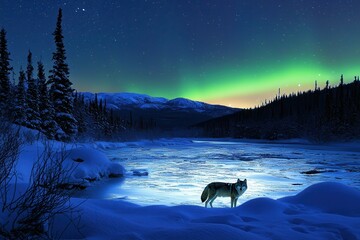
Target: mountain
165, 113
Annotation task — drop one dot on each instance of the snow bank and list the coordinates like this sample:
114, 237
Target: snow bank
85, 164
329, 197
322, 211
89, 165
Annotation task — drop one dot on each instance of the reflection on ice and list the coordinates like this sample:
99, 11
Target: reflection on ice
173, 172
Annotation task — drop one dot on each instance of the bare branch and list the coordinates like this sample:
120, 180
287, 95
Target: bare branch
45, 196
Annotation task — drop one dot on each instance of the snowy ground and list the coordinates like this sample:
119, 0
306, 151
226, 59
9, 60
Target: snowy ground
178, 169
322, 211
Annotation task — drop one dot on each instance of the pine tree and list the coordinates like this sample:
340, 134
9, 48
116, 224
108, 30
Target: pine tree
81, 113
61, 91
101, 106
20, 100
327, 84
105, 108
341, 99
341, 80
5, 71
48, 126
32, 99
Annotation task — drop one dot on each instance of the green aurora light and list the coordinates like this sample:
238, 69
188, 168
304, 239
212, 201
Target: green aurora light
234, 53
252, 85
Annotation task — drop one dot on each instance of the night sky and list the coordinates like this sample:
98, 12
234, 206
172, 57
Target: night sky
233, 53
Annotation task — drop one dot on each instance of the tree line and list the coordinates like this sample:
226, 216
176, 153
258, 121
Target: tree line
50, 105
327, 114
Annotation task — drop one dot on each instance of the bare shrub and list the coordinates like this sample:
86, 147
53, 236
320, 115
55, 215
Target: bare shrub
29, 214
10, 144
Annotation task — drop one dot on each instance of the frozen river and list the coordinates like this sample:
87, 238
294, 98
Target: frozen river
179, 169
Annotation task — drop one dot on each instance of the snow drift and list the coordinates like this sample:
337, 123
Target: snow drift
85, 164
322, 211
90, 165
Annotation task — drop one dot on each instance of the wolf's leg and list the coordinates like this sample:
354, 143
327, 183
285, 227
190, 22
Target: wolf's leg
236, 201
232, 202
212, 200
208, 199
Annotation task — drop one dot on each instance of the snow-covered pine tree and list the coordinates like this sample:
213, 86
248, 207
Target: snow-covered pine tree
48, 125
20, 100
61, 91
32, 98
5, 70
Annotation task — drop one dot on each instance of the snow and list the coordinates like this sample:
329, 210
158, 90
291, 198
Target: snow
335, 198
90, 165
294, 217
85, 163
185, 103
143, 101
116, 100
316, 210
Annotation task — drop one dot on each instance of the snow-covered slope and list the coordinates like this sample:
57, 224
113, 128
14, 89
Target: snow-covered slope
123, 101
311, 214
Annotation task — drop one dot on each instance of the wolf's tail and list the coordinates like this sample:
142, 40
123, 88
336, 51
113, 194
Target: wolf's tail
204, 194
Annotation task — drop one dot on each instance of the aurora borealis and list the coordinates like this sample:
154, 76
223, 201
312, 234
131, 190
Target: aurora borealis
230, 52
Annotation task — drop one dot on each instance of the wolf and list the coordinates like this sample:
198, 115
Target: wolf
220, 189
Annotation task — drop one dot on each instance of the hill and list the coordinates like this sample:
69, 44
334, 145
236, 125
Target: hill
143, 111
321, 115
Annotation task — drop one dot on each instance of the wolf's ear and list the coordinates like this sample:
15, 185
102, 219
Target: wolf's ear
245, 180
238, 180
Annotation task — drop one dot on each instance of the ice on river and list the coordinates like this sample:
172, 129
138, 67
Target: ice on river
175, 171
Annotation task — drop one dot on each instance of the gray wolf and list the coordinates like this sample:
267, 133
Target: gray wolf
220, 189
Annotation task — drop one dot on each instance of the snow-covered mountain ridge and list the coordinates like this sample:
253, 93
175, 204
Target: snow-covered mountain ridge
123, 101
168, 114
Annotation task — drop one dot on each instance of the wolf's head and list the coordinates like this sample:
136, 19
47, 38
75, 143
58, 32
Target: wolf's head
241, 186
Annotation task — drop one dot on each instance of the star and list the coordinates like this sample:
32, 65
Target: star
80, 9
